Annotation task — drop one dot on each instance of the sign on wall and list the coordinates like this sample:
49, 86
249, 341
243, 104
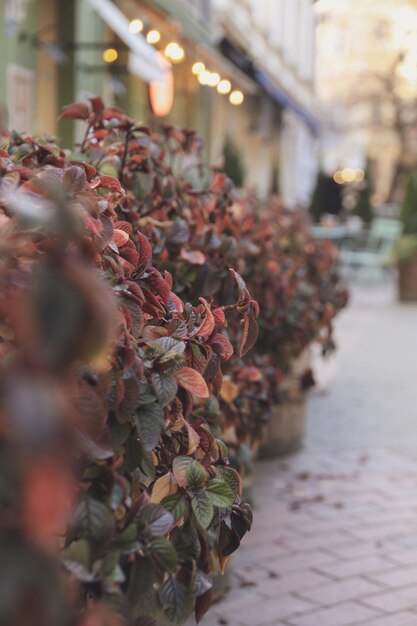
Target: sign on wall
161, 92
20, 97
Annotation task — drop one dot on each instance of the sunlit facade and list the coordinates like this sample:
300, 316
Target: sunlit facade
367, 81
279, 37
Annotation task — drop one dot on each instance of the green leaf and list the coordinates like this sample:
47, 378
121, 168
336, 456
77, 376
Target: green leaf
141, 591
93, 521
203, 509
149, 420
165, 552
146, 394
186, 541
177, 505
76, 559
156, 518
220, 493
201, 584
127, 542
177, 601
133, 455
168, 347
166, 387
196, 475
179, 469
231, 477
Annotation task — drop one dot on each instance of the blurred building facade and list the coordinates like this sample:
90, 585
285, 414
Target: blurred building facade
367, 83
55, 51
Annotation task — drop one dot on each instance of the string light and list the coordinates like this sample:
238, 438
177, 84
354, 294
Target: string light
153, 36
213, 79
198, 68
204, 77
110, 55
224, 86
236, 97
136, 26
174, 52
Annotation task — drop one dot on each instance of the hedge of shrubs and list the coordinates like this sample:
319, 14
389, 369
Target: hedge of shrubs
130, 281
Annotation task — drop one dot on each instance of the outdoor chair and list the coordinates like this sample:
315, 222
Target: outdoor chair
372, 250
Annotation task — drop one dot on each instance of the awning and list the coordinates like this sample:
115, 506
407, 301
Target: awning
284, 100
277, 93
143, 60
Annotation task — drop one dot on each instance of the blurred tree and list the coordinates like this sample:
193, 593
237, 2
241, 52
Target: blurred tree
317, 205
233, 164
409, 205
363, 207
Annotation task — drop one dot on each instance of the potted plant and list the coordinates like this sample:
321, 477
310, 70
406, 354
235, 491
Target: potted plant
117, 495
405, 251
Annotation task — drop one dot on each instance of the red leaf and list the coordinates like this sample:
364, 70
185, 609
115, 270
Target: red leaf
208, 325
93, 225
250, 334
222, 346
192, 381
129, 402
125, 226
145, 251
130, 253
194, 257
220, 317
159, 286
90, 170
75, 111
244, 296
120, 237
97, 105
107, 182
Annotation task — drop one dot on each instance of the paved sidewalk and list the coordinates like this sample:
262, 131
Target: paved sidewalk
334, 543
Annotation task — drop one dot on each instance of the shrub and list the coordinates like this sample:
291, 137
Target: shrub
363, 207
409, 206
233, 165
106, 375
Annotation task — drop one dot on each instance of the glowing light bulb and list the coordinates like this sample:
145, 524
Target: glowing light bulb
348, 175
174, 52
136, 26
110, 55
198, 68
236, 97
338, 178
204, 77
153, 36
213, 79
224, 86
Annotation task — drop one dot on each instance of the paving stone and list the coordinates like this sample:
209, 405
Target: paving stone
334, 592
270, 610
294, 581
355, 567
391, 601
400, 577
316, 558
399, 619
346, 614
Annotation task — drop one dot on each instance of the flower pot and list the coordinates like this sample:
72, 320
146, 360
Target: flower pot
284, 432
407, 280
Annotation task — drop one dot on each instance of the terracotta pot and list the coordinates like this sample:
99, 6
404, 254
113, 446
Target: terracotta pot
407, 280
